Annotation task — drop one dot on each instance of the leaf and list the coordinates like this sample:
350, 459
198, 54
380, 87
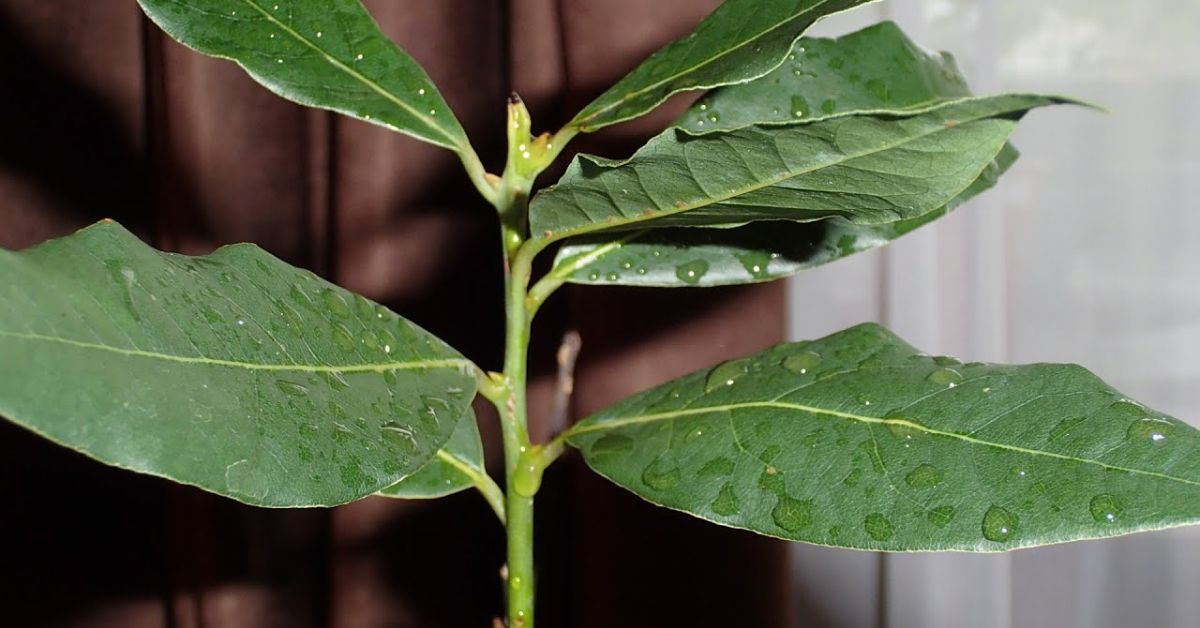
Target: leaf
234, 372
321, 53
868, 169
741, 40
874, 70
857, 440
758, 252
450, 471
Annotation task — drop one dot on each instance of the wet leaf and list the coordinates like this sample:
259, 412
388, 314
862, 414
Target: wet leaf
321, 53
753, 253
867, 169
233, 372
857, 440
739, 41
450, 471
875, 70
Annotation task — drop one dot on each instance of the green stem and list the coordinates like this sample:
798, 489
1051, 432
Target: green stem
479, 479
519, 525
523, 461
485, 183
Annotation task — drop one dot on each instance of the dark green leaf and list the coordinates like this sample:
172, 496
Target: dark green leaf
760, 251
857, 440
320, 53
455, 467
875, 70
868, 169
234, 372
741, 40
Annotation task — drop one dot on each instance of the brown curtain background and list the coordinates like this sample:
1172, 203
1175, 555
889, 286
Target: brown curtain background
102, 116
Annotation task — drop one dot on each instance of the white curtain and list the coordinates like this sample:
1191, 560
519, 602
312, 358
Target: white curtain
1087, 252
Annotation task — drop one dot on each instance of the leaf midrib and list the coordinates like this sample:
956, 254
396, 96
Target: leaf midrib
584, 428
771, 181
455, 143
250, 366
631, 95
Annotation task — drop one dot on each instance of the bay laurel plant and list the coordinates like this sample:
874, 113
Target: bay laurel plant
249, 378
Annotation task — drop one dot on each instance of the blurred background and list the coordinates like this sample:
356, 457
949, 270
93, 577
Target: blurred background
1088, 251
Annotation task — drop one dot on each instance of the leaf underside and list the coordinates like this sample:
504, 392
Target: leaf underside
877, 70
753, 253
739, 41
235, 372
859, 441
874, 70
867, 169
321, 53
447, 472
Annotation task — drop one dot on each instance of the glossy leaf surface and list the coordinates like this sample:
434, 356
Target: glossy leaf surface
857, 440
866, 169
877, 69
450, 471
760, 251
320, 53
741, 40
233, 372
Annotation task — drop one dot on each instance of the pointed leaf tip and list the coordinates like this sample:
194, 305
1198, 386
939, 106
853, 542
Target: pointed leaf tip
858, 440
234, 372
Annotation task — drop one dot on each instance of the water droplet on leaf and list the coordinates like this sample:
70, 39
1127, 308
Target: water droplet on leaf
940, 516
1148, 430
878, 526
803, 362
769, 454
398, 434
691, 272
342, 337
725, 374
792, 514
661, 474
852, 478
924, 476
946, 377
999, 525
726, 503
1128, 408
1105, 508
612, 443
717, 467
800, 107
